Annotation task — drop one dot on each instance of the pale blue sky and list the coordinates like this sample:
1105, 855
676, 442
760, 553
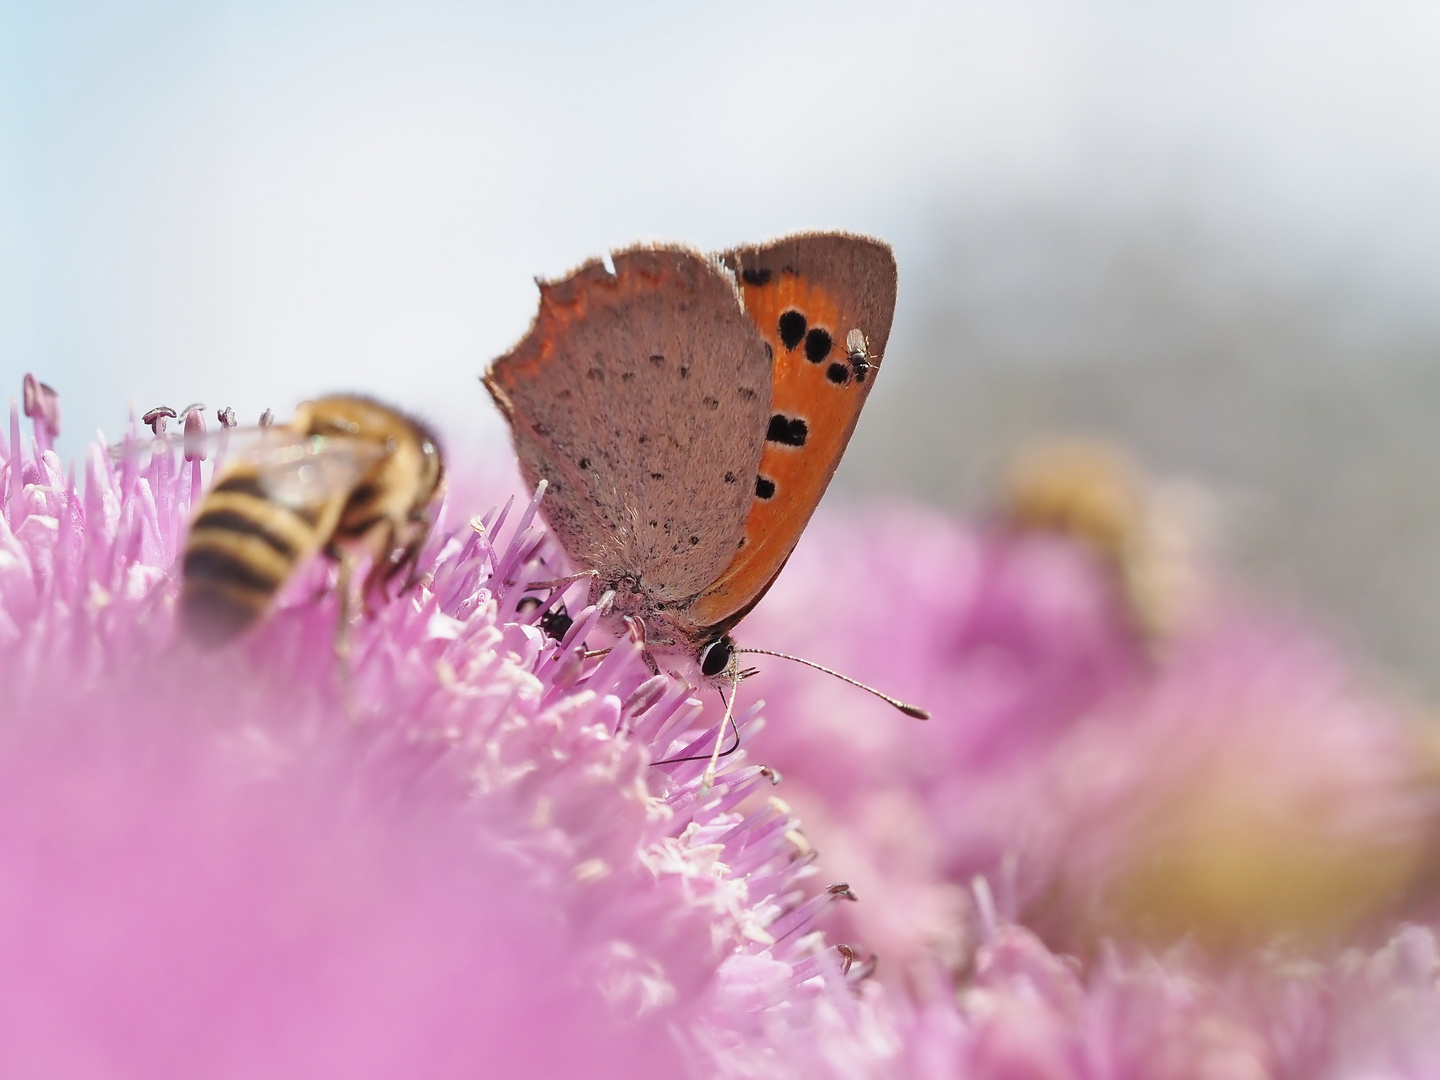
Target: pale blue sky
245, 204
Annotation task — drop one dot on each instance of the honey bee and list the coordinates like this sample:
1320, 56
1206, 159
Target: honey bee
346, 476
1145, 533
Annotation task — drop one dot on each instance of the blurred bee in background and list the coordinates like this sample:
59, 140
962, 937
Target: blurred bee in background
347, 476
1149, 535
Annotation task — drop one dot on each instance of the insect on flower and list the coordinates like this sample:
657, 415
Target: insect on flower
687, 413
347, 476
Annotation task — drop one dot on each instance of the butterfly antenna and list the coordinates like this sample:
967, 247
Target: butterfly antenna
909, 710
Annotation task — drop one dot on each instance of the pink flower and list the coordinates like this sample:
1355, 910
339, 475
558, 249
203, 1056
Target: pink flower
1239, 784
451, 856
455, 855
1008, 641
1179, 1015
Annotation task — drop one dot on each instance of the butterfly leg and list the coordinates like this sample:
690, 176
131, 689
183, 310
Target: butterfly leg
560, 582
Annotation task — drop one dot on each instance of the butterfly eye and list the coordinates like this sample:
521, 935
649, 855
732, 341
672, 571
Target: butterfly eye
715, 657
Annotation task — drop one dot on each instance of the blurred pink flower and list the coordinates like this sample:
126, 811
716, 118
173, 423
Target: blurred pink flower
1007, 640
454, 859
1180, 1015
1236, 783
457, 858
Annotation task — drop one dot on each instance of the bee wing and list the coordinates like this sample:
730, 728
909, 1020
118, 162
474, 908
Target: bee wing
202, 445
307, 471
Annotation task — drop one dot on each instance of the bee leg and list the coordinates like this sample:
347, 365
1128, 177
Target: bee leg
383, 567
345, 608
409, 559
345, 590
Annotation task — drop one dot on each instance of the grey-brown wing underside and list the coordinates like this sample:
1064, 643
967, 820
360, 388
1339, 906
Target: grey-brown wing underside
856, 271
643, 398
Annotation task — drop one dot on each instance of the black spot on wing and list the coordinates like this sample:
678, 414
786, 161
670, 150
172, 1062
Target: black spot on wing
839, 374
817, 345
764, 487
792, 328
756, 277
787, 431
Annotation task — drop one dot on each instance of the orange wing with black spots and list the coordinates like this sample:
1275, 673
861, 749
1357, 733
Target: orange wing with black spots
806, 295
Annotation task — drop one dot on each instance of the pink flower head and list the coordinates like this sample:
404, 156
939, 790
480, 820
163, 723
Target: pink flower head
1239, 784
450, 855
469, 849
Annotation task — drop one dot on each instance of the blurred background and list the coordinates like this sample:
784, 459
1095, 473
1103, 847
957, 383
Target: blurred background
1210, 232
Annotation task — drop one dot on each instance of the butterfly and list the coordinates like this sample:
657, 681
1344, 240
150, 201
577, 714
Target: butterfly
688, 413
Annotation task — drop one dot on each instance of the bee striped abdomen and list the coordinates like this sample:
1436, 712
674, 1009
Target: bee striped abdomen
238, 524
242, 548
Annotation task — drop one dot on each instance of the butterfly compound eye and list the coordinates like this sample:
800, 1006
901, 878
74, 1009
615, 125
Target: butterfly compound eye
715, 657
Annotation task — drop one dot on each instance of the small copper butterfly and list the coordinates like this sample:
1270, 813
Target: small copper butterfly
688, 413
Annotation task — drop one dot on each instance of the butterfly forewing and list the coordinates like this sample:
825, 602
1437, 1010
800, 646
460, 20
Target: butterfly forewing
806, 295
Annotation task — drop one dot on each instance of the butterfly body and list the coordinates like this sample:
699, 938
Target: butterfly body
688, 413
